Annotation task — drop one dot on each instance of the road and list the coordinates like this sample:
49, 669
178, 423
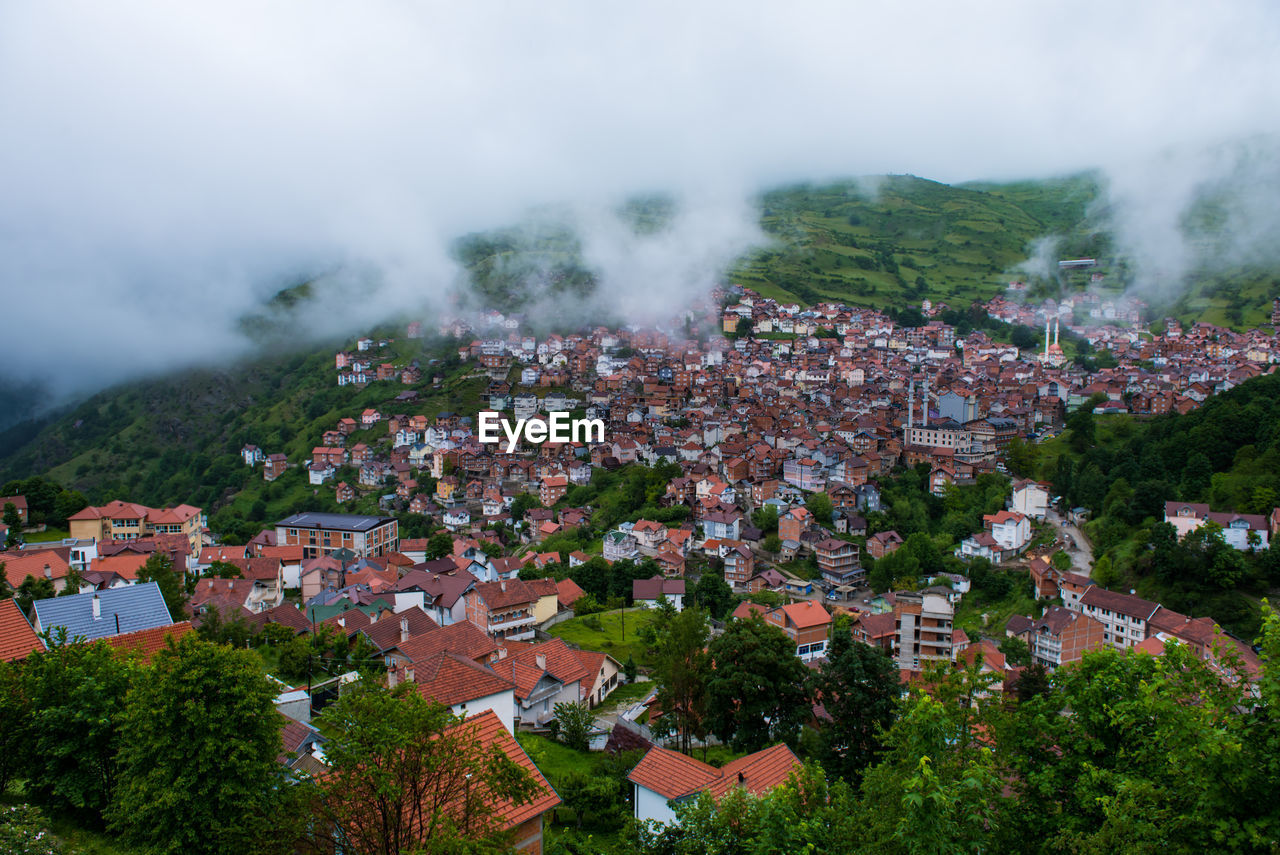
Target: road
1082, 554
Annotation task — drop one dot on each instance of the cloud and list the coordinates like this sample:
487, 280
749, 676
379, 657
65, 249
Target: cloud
164, 167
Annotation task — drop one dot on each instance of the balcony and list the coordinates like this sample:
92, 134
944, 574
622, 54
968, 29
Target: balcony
525, 622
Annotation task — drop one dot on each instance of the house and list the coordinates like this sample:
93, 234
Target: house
882, 543
503, 609
17, 639
1240, 531
793, 523
602, 676
1124, 617
275, 467
522, 822
1011, 530
647, 592
145, 643
739, 565
722, 525
664, 778
1060, 637
20, 505
100, 614
128, 521
649, 535
464, 685
620, 546
552, 489
44, 564
457, 517
568, 592
838, 561
1030, 498
806, 623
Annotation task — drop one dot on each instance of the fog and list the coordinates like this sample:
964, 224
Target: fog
165, 167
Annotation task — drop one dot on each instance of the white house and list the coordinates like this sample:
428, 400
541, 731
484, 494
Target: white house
664, 778
647, 592
1009, 529
1030, 498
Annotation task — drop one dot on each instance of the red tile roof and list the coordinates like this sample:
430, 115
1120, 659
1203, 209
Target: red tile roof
568, 592
487, 730
17, 638
148, 642
673, 775
452, 679
20, 566
462, 637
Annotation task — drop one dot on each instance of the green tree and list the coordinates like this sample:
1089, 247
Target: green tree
819, 504
406, 776
522, 503
33, 588
1015, 650
159, 569
713, 594
680, 671
439, 546
765, 518
757, 691
13, 520
1195, 477
15, 712
858, 686
197, 761
76, 694
224, 570
772, 544
573, 725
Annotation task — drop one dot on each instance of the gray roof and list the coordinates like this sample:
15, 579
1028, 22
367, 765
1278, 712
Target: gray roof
120, 610
343, 522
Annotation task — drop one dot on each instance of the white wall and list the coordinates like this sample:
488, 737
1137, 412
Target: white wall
650, 805
503, 704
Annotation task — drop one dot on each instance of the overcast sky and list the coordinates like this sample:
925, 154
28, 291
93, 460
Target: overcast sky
164, 165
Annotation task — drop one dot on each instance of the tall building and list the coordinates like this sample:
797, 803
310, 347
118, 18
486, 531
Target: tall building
923, 628
323, 534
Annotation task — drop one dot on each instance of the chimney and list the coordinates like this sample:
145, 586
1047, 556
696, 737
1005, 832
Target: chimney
503, 584
408, 673
97, 608
342, 622
502, 653
742, 778
541, 659
404, 629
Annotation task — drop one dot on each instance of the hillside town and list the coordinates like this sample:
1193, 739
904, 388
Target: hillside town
788, 404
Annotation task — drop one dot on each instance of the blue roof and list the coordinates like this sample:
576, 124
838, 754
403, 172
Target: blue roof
126, 609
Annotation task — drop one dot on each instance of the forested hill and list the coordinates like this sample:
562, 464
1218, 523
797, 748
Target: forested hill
1226, 453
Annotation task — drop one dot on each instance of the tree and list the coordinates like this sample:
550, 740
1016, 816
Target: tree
225, 570
197, 760
523, 503
159, 569
765, 518
858, 686
13, 520
76, 694
32, 589
439, 546
772, 543
819, 504
573, 725
757, 690
713, 594
1015, 650
14, 711
405, 775
680, 671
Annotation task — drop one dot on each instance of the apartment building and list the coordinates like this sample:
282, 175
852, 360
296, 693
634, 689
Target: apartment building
323, 534
1124, 617
1060, 637
922, 622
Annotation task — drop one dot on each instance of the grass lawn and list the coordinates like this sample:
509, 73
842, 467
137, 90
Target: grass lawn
609, 637
46, 535
1019, 601
626, 694
552, 758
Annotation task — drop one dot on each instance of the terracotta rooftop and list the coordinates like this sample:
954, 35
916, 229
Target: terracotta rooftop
673, 775
17, 638
449, 678
487, 730
148, 642
463, 638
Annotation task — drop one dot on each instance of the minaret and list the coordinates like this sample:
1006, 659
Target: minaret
1046, 339
911, 401
1055, 331
924, 416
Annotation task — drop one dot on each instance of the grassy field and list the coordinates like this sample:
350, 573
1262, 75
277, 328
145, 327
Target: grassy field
45, 536
969, 614
609, 638
625, 695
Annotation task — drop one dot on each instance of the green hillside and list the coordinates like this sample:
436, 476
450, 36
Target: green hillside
901, 239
